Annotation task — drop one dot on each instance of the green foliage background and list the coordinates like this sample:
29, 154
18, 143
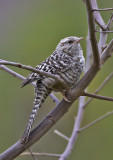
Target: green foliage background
29, 32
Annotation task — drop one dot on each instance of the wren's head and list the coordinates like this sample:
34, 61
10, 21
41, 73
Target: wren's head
70, 46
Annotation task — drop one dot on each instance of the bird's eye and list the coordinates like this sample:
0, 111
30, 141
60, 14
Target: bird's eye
70, 42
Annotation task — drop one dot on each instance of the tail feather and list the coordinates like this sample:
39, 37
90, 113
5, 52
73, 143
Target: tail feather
41, 94
25, 82
31, 78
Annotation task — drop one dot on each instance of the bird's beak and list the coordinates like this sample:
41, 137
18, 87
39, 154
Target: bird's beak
79, 39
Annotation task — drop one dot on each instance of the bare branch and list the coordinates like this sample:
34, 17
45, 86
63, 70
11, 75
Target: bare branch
31, 153
99, 20
105, 9
74, 135
38, 132
108, 26
107, 52
104, 83
97, 96
99, 89
95, 121
91, 23
103, 31
14, 74
41, 154
61, 135
29, 68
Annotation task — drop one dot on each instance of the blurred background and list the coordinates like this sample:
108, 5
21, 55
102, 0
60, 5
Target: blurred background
29, 32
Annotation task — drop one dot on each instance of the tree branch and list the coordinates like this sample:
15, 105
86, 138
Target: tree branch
107, 53
97, 96
99, 88
14, 74
99, 20
31, 153
105, 9
95, 121
29, 68
104, 31
41, 154
91, 23
61, 135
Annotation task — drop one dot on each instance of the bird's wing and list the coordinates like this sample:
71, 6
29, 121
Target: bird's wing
54, 64
58, 64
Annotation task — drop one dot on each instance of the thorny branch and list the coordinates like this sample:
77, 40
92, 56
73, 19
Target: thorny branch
77, 91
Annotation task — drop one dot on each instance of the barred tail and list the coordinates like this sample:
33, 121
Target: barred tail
41, 94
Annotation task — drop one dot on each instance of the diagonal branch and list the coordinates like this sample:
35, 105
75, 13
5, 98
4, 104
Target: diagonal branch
31, 153
29, 68
95, 121
14, 74
107, 52
61, 135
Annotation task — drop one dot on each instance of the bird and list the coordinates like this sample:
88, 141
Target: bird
66, 62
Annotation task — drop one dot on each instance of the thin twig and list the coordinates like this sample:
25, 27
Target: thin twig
99, 88
108, 26
61, 135
14, 74
95, 121
104, 83
97, 96
29, 68
105, 9
31, 153
107, 53
41, 154
103, 31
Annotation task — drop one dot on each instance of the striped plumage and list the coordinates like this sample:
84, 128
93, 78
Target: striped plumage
67, 62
